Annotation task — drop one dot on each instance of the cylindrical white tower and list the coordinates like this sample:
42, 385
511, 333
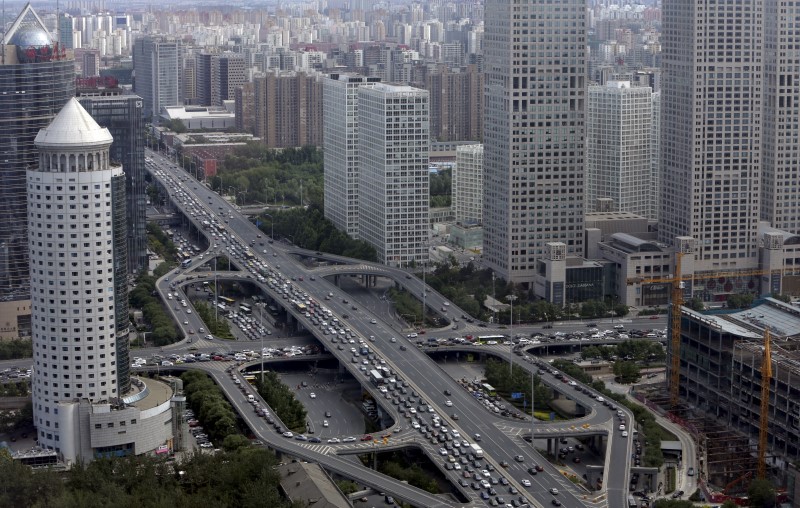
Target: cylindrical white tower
71, 219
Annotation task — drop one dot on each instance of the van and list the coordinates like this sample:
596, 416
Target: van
250, 398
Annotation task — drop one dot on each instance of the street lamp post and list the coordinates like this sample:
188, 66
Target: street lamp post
261, 332
271, 227
511, 299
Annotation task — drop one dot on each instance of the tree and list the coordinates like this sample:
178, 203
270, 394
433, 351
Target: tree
740, 301
729, 504
761, 493
627, 372
233, 442
696, 304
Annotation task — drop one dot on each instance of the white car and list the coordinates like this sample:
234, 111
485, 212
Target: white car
333, 440
374, 322
393, 340
349, 439
448, 403
624, 433
526, 482
312, 395
621, 427
325, 423
443, 451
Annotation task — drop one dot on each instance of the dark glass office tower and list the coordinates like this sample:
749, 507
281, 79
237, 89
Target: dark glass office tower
122, 116
37, 77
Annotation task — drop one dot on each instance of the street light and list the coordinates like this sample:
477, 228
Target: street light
511, 299
271, 227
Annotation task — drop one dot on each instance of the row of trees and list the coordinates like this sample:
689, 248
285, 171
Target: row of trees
246, 478
468, 288
258, 174
17, 389
217, 327
506, 381
143, 296
214, 412
160, 243
281, 399
16, 348
310, 229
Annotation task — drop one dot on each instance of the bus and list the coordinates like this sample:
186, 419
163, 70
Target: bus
489, 389
273, 309
244, 309
229, 301
186, 262
486, 338
222, 308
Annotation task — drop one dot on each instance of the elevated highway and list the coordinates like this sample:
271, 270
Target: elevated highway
413, 365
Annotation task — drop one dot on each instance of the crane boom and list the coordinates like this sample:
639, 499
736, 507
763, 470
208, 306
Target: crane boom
766, 375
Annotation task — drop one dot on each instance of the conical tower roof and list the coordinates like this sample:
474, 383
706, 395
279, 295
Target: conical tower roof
73, 127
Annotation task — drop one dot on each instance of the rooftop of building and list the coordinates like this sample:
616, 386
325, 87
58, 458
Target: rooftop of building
192, 112
781, 318
616, 215
148, 393
73, 126
311, 486
631, 243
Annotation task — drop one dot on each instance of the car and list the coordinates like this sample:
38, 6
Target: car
448, 403
334, 440
349, 439
519, 458
556, 502
314, 440
622, 427
288, 434
539, 468
624, 433
312, 395
325, 423
374, 322
327, 414
366, 437
554, 491
690, 472
504, 463
677, 494
532, 470
403, 347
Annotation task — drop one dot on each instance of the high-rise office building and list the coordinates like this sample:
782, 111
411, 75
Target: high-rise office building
340, 138
711, 111
157, 62
122, 116
36, 80
534, 108
85, 403
393, 178
618, 145
468, 184
781, 118
217, 76
655, 156
288, 109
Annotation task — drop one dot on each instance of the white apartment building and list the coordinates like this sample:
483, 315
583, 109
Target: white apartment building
468, 184
393, 180
341, 157
534, 114
618, 148
83, 403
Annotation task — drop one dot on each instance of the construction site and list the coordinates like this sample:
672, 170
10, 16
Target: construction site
743, 411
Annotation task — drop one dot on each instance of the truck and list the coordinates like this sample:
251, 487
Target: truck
476, 450
376, 377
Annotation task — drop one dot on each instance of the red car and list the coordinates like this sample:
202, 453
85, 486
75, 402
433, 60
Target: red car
366, 437
654, 316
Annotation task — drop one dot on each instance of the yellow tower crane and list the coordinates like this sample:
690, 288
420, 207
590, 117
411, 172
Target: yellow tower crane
763, 427
678, 282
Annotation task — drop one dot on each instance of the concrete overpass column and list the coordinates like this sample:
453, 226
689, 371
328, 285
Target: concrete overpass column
550, 450
336, 280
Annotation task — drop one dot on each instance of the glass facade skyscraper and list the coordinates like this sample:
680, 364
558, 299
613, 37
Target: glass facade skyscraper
36, 80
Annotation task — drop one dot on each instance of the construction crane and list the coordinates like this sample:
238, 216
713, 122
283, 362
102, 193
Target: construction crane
678, 282
763, 427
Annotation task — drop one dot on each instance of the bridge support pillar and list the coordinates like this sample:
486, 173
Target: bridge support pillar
336, 280
550, 446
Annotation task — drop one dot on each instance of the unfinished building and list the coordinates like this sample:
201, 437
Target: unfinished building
720, 378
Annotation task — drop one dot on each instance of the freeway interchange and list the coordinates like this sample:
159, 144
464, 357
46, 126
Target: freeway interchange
284, 275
